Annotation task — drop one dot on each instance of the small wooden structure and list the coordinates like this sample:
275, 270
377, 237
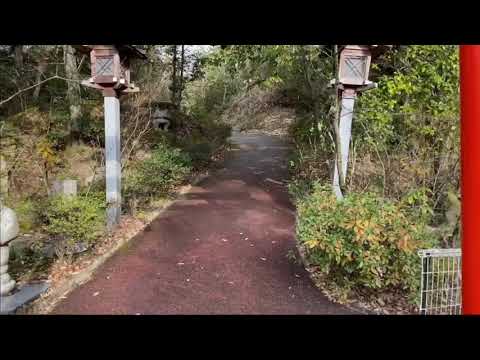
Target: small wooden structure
354, 65
355, 62
110, 66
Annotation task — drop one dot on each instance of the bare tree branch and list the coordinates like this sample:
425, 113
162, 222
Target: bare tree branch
35, 85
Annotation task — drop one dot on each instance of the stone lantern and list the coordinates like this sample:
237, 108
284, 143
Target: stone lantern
162, 115
8, 231
12, 297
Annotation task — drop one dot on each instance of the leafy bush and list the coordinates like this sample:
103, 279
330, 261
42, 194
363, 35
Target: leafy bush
406, 131
156, 175
78, 219
208, 96
363, 241
200, 153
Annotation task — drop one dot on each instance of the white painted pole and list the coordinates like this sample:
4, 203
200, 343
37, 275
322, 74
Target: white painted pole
345, 129
112, 160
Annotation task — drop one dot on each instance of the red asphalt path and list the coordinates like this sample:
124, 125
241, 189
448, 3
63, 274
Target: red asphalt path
221, 250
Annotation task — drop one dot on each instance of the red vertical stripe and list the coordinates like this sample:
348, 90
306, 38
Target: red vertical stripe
470, 158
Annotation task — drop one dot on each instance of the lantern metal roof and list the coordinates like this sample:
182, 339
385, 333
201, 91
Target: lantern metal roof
130, 51
375, 50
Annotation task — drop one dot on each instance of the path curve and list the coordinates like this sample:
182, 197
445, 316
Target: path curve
221, 250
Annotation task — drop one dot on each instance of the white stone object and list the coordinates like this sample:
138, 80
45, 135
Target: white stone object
9, 230
65, 187
6, 282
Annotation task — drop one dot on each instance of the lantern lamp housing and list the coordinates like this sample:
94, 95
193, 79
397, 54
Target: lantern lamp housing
354, 65
110, 66
106, 67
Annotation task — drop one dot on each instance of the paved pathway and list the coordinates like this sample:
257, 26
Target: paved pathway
221, 250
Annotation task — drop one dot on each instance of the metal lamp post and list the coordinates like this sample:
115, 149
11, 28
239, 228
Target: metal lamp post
110, 73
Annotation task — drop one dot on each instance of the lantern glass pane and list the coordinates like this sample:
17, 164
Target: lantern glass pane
104, 66
355, 68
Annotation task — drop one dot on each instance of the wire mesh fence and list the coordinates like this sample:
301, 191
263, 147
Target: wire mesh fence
441, 282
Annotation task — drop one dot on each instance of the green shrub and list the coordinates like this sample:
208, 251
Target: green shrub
157, 175
79, 219
200, 153
363, 241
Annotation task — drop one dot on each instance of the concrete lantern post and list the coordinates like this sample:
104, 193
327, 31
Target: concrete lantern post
345, 129
113, 167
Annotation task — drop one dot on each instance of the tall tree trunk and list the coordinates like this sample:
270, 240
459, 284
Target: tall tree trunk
19, 81
41, 68
18, 50
73, 93
174, 75
180, 88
